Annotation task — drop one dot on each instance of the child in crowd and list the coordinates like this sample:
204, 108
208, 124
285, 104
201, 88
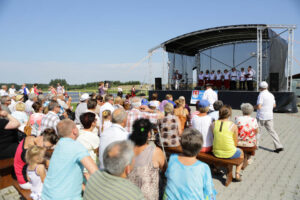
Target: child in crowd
187, 177
36, 170
106, 120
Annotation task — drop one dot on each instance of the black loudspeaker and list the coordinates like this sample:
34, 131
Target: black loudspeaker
274, 82
158, 85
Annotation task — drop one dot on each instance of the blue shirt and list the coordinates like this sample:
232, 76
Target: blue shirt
64, 177
188, 182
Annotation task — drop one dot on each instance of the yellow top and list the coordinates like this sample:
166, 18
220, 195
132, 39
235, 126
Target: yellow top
223, 145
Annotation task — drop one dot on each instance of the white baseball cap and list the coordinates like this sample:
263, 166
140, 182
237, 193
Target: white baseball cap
84, 97
263, 85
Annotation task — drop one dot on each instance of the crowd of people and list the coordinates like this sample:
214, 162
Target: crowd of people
103, 150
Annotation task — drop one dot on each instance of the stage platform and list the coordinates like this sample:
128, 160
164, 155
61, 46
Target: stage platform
286, 101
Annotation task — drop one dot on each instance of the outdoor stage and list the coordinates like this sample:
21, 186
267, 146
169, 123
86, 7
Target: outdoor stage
286, 102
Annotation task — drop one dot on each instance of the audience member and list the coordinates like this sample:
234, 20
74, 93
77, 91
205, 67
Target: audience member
118, 102
138, 111
185, 104
12, 90
182, 113
265, 104
170, 128
36, 170
36, 119
87, 137
47, 139
106, 121
28, 104
215, 114
116, 132
169, 98
148, 160
101, 89
64, 177
187, 177
225, 139
154, 100
82, 107
202, 122
8, 135
91, 107
112, 183
13, 102
120, 92
20, 115
247, 129
5, 102
99, 99
3, 91
108, 105
51, 119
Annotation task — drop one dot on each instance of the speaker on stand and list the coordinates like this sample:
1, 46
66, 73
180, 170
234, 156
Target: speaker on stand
158, 85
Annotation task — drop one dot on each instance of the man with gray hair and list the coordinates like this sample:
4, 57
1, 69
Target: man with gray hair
116, 132
51, 119
138, 111
82, 107
65, 174
5, 102
265, 104
28, 104
112, 183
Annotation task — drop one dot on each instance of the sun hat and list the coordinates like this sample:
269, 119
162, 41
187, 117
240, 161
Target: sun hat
263, 85
84, 97
203, 103
19, 97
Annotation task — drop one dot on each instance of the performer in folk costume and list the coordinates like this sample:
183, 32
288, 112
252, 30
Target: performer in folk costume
206, 77
226, 76
201, 79
212, 78
219, 76
177, 77
249, 77
233, 78
242, 79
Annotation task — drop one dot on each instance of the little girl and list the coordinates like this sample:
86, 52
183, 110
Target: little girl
36, 171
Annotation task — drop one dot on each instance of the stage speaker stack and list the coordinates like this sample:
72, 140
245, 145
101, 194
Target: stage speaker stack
158, 85
274, 82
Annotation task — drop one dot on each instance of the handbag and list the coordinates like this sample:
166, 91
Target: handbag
27, 129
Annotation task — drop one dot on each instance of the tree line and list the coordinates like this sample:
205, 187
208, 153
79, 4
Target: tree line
63, 82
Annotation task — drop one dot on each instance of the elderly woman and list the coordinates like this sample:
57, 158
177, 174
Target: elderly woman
170, 127
226, 137
247, 128
148, 161
20, 115
202, 122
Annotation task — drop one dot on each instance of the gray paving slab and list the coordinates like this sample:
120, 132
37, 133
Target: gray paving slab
271, 175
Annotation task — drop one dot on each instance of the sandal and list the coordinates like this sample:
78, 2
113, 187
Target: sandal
238, 177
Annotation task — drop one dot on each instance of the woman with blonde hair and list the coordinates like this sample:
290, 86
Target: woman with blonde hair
118, 103
182, 113
106, 120
20, 115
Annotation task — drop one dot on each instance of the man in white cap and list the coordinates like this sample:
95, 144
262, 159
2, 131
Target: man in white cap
82, 107
265, 104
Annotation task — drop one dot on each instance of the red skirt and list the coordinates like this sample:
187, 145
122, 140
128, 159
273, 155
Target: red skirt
200, 82
218, 83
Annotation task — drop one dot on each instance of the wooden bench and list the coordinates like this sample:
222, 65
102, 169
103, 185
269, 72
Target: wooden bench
24, 193
247, 150
6, 166
210, 159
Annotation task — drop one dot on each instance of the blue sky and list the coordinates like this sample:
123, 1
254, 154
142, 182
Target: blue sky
93, 40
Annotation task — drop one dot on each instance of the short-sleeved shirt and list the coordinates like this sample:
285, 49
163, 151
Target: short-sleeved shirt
246, 131
7, 137
49, 121
266, 100
203, 125
188, 182
64, 177
103, 185
211, 96
135, 114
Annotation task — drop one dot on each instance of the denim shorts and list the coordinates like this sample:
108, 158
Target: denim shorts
237, 154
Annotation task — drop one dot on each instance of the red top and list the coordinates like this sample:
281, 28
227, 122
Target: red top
19, 162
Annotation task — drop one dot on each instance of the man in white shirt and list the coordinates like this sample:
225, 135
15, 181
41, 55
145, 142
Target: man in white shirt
233, 78
116, 132
82, 107
265, 104
242, 79
108, 105
249, 78
211, 96
3, 91
12, 90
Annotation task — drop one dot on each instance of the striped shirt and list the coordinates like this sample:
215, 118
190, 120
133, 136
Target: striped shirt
102, 185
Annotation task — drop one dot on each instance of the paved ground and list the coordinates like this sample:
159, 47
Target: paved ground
271, 175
